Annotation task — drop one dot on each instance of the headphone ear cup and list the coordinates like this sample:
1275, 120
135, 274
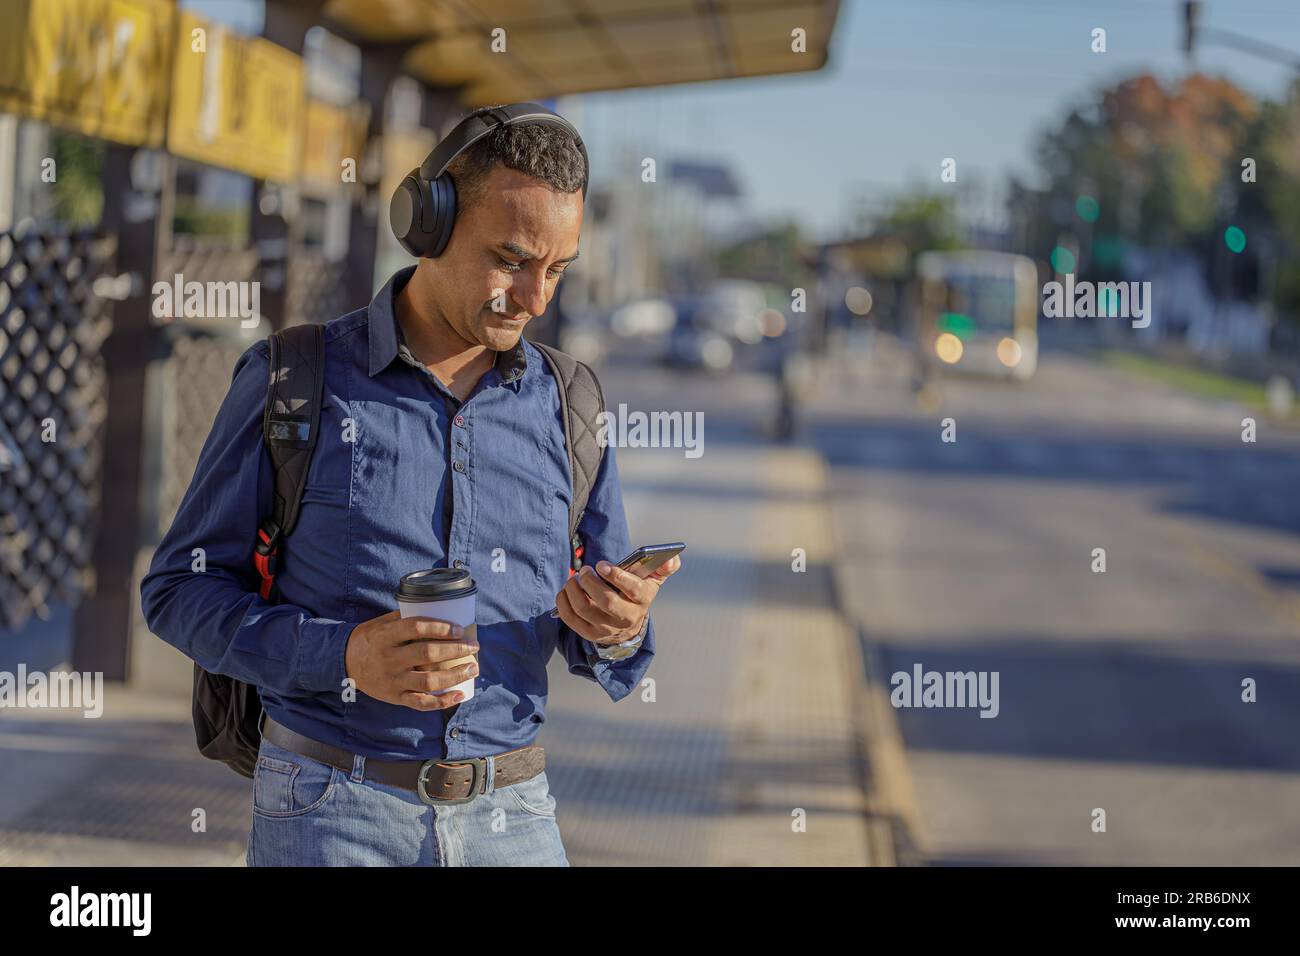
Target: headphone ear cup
408, 213
442, 204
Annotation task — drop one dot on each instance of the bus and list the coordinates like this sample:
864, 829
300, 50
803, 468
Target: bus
976, 312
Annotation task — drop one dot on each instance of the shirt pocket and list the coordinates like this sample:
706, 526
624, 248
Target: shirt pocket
317, 550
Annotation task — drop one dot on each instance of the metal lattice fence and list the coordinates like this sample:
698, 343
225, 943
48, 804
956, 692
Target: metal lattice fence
196, 373
195, 379
317, 292
207, 262
52, 412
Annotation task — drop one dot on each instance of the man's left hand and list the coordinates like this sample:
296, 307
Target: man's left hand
608, 605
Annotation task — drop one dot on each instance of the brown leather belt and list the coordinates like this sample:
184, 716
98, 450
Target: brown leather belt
438, 782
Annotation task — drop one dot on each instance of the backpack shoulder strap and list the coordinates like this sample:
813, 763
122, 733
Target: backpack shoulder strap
290, 427
581, 402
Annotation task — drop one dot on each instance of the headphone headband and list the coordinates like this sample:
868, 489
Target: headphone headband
473, 128
422, 211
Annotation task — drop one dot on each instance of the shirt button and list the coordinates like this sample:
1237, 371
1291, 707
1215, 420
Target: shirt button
460, 420
458, 465
455, 731
458, 563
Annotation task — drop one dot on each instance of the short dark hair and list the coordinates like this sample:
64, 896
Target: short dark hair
540, 150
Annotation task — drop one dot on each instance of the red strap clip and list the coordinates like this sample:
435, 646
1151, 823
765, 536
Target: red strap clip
264, 555
577, 553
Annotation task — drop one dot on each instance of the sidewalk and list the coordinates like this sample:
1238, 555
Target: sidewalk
118, 790
753, 713
756, 710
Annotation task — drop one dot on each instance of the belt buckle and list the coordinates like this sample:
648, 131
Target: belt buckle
480, 774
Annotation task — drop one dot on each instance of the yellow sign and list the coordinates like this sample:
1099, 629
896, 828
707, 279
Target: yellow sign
333, 135
98, 67
237, 101
403, 150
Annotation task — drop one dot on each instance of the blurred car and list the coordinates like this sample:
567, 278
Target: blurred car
693, 342
734, 308
643, 318
585, 341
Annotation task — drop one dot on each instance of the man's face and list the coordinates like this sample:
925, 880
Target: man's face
517, 240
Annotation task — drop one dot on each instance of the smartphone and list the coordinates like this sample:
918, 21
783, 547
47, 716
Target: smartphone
644, 561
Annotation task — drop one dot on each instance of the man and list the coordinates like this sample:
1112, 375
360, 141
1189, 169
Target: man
441, 445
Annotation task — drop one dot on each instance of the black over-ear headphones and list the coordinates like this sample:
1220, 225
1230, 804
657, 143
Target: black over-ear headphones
423, 209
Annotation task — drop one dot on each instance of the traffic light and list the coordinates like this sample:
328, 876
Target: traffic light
1191, 13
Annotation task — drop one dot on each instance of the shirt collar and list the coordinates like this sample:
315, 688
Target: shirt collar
386, 334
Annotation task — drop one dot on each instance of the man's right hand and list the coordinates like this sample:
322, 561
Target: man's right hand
403, 660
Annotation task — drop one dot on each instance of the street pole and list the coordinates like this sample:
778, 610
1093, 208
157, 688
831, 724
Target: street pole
1192, 30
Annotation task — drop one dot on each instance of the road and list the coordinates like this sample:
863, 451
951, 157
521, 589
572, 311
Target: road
1119, 690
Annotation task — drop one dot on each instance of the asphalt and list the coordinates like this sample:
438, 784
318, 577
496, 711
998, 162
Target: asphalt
1120, 691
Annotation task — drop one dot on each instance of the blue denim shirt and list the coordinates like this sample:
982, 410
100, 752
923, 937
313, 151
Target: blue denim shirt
382, 499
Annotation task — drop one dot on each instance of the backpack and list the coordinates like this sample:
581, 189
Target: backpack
228, 712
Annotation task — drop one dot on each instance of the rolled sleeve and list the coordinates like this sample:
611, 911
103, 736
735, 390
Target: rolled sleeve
604, 534
201, 591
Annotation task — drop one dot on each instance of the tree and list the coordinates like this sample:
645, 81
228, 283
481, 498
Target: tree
1153, 159
1272, 201
923, 221
77, 196
776, 254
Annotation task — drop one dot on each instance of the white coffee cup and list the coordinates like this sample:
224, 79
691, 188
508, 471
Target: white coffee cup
444, 594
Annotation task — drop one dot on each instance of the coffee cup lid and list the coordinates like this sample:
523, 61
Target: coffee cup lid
436, 584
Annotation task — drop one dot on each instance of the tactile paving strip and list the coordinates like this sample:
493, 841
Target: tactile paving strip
115, 792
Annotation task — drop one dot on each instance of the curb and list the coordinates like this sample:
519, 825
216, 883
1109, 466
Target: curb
892, 824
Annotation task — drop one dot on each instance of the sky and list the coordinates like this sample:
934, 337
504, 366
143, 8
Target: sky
911, 82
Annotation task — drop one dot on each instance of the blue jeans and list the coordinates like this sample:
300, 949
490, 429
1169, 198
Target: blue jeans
307, 813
